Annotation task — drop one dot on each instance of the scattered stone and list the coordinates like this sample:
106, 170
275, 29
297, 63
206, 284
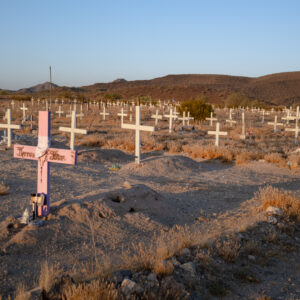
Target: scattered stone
272, 220
152, 277
118, 198
251, 257
189, 267
175, 262
274, 211
185, 252
127, 185
127, 286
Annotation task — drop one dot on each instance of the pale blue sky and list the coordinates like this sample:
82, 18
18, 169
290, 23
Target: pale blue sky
98, 41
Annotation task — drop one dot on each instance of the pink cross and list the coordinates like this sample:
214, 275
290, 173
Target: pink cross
44, 155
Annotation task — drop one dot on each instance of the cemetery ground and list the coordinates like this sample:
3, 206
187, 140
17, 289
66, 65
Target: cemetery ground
192, 221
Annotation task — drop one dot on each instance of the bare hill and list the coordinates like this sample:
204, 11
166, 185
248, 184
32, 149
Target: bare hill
278, 89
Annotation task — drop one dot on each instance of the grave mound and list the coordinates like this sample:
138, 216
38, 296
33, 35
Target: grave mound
138, 200
104, 156
165, 165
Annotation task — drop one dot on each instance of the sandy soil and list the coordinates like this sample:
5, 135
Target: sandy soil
128, 206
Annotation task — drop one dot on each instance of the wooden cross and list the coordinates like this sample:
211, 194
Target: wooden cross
183, 119
189, 118
230, 121
9, 126
296, 129
73, 130
156, 117
217, 133
211, 119
122, 115
243, 135
275, 124
59, 112
171, 117
104, 113
24, 108
44, 155
138, 127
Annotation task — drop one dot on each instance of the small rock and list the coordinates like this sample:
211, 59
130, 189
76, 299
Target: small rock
185, 252
138, 289
272, 220
175, 262
127, 286
152, 277
274, 211
251, 257
189, 267
127, 185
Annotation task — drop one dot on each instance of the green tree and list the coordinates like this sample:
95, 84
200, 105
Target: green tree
198, 108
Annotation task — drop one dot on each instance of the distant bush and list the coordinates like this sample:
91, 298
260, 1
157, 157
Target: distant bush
198, 108
113, 96
235, 100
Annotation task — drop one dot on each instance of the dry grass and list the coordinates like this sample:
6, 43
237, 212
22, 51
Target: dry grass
21, 293
48, 275
286, 200
208, 152
92, 141
245, 157
95, 290
228, 249
174, 146
4, 190
275, 158
155, 256
294, 161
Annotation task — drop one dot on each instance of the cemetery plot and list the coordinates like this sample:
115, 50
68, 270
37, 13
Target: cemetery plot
109, 209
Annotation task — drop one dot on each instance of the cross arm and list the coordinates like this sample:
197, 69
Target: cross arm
63, 156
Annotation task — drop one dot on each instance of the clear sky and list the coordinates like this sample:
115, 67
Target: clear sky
98, 41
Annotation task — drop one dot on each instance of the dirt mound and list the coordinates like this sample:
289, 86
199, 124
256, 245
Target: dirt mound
104, 156
164, 166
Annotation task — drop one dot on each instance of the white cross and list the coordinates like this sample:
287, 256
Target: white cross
230, 121
59, 112
171, 117
122, 115
13, 104
211, 119
189, 118
24, 108
156, 117
73, 130
263, 116
104, 113
243, 135
183, 119
9, 126
138, 127
275, 124
296, 129
47, 106
217, 133
130, 118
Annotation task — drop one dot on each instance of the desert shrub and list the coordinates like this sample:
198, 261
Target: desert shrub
91, 141
174, 146
294, 160
286, 200
245, 156
21, 293
198, 108
228, 249
275, 158
48, 275
4, 190
208, 152
236, 100
98, 289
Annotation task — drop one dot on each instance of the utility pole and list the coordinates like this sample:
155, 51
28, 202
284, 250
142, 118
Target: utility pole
50, 86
